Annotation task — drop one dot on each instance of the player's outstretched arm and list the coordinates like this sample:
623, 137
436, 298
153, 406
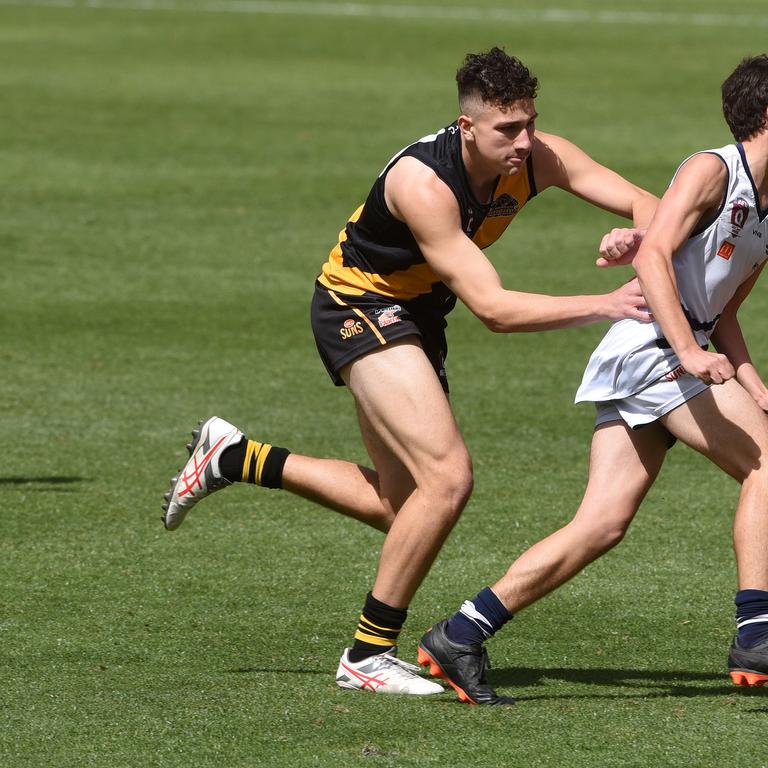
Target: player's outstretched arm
560, 163
420, 199
729, 340
694, 195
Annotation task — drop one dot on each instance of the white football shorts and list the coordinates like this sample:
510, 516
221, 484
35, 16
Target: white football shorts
654, 401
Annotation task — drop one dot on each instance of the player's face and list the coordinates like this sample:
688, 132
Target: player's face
503, 136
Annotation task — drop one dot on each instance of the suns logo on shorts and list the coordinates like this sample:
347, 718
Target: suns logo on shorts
351, 328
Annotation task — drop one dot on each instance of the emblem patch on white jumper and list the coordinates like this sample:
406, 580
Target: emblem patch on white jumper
725, 251
739, 214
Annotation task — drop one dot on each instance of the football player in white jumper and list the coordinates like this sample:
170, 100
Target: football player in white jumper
652, 383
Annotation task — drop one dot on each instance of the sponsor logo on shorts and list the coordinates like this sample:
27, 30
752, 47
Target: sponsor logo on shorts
675, 374
739, 214
504, 205
351, 328
726, 250
388, 316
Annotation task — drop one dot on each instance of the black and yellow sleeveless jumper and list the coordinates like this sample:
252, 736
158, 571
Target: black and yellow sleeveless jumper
378, 253
378, 260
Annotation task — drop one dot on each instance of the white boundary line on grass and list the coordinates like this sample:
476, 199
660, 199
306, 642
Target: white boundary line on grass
417, 12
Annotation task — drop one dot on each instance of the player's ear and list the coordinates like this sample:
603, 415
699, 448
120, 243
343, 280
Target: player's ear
465, 126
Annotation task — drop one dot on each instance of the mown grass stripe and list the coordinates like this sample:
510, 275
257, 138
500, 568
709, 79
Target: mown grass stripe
415, 12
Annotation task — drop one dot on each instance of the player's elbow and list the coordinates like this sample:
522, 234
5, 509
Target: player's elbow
490, 315
494, 324
649, 257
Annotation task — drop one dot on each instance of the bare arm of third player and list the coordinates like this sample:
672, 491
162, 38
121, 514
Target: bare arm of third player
729, 340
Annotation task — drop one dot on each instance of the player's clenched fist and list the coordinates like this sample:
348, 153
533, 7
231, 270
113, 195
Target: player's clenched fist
710, 367
619, 246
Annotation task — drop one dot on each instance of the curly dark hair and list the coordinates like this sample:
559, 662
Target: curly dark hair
495, 78
745, 97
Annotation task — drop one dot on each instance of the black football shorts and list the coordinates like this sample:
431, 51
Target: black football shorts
347, 327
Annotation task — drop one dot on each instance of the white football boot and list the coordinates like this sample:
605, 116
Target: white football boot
384, 673
200, 476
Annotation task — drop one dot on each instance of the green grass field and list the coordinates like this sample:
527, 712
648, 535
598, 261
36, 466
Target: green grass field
173, 175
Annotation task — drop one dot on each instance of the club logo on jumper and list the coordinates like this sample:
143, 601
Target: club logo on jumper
388, 316
675, 374
726, 250
739, 214
504, 205
351, 328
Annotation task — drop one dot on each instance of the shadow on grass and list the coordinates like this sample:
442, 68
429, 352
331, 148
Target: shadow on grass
42, 482
635, 683
275, 671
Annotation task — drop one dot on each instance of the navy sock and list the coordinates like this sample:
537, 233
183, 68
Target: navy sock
752, 617
478, 619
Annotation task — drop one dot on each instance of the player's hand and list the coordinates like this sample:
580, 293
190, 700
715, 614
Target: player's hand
762, 401
619, 247
628, 302
710, 367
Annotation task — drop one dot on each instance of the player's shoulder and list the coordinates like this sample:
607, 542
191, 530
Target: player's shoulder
707, 170
555, 158
545, 139
708, 161
413, 188
411, 175
553, 144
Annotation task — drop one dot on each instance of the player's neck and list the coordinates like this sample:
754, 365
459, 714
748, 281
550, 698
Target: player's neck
756, 152
481, 176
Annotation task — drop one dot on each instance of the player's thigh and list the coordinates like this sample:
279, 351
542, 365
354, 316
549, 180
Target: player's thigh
404, 404
623, 464
395, 481
724, 424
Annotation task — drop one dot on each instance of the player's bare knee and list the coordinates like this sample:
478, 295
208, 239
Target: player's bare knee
384, 519
461, 489
609, 536
755, 476
450, 484
602, 532
463, 480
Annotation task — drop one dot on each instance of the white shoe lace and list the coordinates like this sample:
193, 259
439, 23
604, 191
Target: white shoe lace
410, 669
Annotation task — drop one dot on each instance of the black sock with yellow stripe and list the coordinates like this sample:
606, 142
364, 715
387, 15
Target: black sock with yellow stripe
250, 461
377, 630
